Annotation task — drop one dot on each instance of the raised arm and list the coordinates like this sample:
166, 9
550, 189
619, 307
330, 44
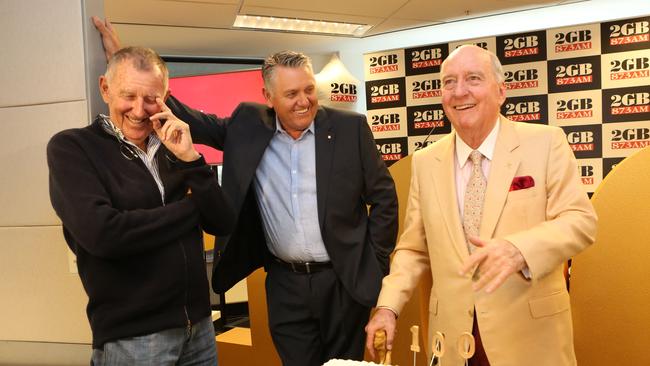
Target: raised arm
216, 214
109, 36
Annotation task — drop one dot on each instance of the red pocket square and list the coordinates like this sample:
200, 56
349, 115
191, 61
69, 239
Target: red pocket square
522, 183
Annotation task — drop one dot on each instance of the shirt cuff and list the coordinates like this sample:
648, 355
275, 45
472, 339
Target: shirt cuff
389, 308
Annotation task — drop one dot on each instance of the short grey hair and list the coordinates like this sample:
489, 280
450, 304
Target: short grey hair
286, 59
142, 58
497, 68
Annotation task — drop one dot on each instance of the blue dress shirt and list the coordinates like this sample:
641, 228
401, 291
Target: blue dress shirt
285, 184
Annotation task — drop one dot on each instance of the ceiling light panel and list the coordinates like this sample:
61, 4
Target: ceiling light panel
300, 25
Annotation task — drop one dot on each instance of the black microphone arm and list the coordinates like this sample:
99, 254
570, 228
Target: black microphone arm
424, 143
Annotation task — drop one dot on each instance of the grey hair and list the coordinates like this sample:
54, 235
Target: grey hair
497, 68
286, 59
142, 58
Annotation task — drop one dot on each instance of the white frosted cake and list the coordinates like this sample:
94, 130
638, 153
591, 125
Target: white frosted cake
336, 362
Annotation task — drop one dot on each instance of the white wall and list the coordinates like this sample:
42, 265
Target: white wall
44, 89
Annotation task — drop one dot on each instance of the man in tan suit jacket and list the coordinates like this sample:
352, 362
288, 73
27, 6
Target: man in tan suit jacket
510, 293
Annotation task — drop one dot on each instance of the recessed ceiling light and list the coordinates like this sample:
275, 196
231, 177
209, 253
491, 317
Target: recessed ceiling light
300, 25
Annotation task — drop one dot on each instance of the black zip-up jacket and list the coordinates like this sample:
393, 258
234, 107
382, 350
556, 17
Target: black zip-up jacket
140, 261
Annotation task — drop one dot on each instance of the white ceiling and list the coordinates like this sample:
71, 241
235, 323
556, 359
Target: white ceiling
204, 27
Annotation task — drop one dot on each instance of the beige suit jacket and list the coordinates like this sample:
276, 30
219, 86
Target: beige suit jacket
525, 321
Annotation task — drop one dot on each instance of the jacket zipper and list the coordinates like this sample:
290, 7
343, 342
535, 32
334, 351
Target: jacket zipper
187, 316
180, 243
188, 327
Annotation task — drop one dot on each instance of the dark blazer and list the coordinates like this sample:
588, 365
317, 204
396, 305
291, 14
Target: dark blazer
356, 198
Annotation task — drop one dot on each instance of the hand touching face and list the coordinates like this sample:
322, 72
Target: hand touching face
173, 133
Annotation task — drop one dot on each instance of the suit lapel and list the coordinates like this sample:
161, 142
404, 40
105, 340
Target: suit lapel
252, 148
502, 169
324, 141
444, 181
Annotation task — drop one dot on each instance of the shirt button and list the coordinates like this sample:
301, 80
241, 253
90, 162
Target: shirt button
470, 312
295, 195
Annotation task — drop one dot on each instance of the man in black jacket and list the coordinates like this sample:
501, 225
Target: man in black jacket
315, 205
121, 187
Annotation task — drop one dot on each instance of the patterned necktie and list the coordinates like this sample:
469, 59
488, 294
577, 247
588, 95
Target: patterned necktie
474, 196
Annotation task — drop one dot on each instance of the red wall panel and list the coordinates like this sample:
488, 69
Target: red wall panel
218, 94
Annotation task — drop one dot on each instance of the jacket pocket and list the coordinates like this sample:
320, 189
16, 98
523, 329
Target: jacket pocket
554, 303
522, 194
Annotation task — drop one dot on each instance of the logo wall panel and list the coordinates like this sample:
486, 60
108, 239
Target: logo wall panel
593, 80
